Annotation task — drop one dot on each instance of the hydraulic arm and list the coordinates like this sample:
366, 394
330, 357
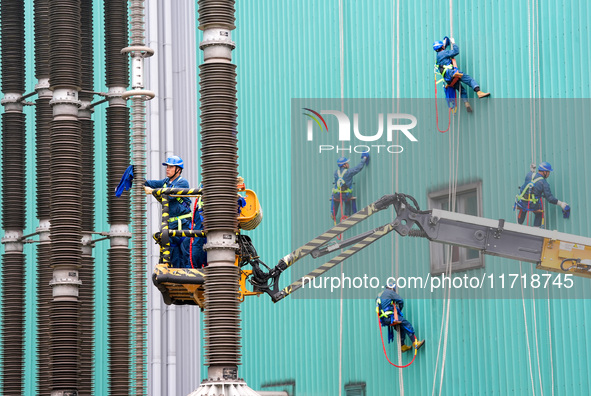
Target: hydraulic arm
550, 250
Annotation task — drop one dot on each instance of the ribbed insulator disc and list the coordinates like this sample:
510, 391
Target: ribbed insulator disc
41, 39
43, 297
116, 38
88, 182
44, 115
66, 198
87, 343
64, 345
118, 161
87, 60
219, 145
13, 170
119, 320
12, 22
216, 13
222, 316
65, 50
13, 303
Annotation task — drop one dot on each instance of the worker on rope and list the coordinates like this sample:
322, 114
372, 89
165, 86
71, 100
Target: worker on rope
531, 193
179, 208
389, 309
450, 72
342, 192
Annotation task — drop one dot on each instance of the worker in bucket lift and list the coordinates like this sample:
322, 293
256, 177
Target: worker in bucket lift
448, 71
179, 207
342, 188
534, 188
389, 308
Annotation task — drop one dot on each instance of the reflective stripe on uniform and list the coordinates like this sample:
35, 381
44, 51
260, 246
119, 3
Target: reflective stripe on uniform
179, 218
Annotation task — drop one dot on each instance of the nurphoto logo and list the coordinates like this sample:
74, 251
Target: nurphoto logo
392, 122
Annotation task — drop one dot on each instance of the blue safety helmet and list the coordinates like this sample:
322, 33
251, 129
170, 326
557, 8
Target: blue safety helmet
545, 166
437, 45
342, 161
175, 160
391, 284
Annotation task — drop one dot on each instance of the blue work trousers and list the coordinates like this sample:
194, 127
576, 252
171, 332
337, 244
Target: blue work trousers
406, 329
466, 79
179, 253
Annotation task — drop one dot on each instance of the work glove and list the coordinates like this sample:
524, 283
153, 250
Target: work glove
365, 157
446, 42
566, 212
565, 209
148, 190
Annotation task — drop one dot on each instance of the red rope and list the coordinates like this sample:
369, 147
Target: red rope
386, 353
437, 111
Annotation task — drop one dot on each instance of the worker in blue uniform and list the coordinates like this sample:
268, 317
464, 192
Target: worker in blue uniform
444, 61
179, 207
534, 188
389, 308
342, 188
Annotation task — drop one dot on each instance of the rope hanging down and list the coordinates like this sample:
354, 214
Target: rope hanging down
386, 353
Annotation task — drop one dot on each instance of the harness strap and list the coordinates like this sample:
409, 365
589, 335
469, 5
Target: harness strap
179, 219
527, 191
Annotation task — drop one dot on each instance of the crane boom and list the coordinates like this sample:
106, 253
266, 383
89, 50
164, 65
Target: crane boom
549, 250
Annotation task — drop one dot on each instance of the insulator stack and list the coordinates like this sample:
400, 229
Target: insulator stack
116, 38
118, 209
65, 354
12, 19
41, 39
119, 321
219, 145
44, 115
13, 171
222, 323
12, 25
66, 173
64, 40
44, 297
118, 157
87, 316
12, 323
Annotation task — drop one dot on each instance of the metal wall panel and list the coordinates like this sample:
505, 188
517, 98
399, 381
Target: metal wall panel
290, 50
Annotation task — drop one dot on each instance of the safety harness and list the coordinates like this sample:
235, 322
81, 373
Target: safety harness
180, 218
527, 195
388, 316
341, 183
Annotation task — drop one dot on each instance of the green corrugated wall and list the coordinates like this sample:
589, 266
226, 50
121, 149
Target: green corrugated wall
290, 49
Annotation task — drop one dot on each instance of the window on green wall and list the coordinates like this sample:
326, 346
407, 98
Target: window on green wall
356, 389
468, 201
